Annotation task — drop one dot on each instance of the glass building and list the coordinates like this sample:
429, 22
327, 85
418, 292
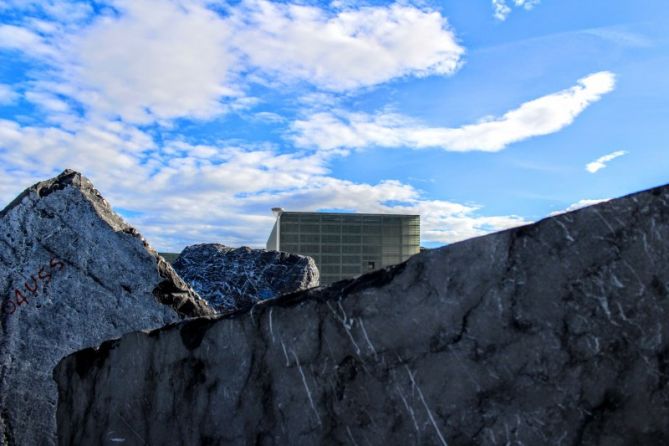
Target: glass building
346, 245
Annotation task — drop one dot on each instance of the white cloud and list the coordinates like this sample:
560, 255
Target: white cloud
579, 205
61, 10
270, 117
158, 60
542, 116
155, 61
600, 162
47, 101
14, 37
502, 9
351, 49
7, 94
188, 193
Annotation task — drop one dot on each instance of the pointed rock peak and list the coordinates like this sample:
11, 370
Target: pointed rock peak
72, 274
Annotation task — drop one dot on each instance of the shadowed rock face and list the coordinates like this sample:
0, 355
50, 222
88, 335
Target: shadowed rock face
232, 279
72, 274
554, 333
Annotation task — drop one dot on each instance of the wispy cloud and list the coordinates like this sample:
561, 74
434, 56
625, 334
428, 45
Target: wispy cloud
7, 94
502, 9
600, 162
18, 38
620, 36
542, 116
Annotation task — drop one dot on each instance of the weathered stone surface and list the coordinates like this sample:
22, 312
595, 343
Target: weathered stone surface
554, 333
232, 279
72, 274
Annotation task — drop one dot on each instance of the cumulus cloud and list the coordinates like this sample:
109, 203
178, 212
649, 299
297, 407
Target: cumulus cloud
542, 116
600, 162
502, 9
350, 49
155, 60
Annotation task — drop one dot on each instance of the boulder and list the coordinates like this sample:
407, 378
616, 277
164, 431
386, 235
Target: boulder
72, 274
548, 334
231, 279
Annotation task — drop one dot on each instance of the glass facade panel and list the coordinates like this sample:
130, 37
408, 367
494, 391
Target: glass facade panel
331, 249
371, 239
330, 218
330, 259
331, 238
309, 238
289, 238
345, 245
331, 269
289, 247
330, 229
351, 269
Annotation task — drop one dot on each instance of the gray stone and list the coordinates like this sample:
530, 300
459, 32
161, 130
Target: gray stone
233, 279
72, 274
548, 334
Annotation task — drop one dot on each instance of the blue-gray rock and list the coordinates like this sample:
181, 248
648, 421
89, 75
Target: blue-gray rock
232, 279
555, 333
72, 274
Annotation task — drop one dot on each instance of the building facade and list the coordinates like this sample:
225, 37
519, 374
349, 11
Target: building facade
346, 245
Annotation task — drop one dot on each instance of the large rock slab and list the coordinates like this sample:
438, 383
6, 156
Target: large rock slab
72, 274
549, 334
233, 279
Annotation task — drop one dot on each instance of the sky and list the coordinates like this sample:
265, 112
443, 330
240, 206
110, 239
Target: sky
195, 117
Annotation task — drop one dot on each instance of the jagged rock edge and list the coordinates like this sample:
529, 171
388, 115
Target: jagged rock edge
102, 208
337, 290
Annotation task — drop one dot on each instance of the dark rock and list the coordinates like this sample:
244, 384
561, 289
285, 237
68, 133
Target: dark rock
233, 279
73, 274
554, 333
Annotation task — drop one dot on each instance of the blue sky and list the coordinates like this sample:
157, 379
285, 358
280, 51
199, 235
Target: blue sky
195, 117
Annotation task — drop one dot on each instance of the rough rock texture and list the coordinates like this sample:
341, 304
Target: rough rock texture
551, 334
233, 279
72, 274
